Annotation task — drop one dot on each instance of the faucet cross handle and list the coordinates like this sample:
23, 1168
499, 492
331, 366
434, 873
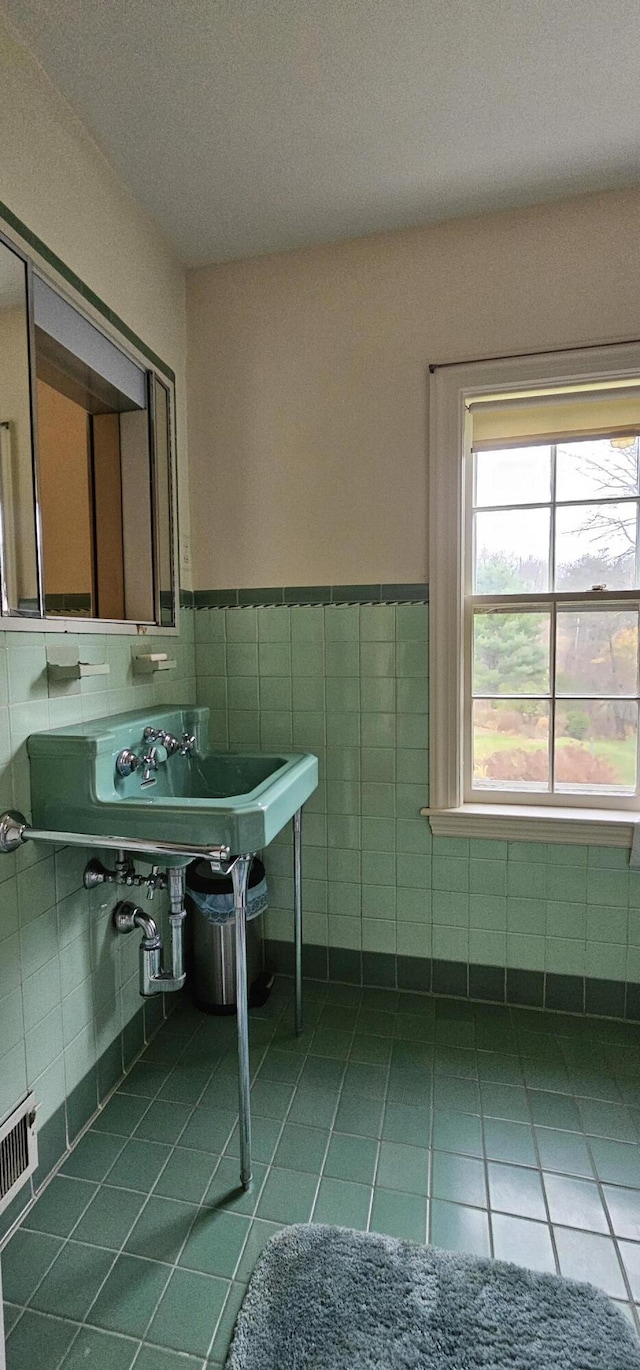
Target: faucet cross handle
150, 763
169, 742
188, 744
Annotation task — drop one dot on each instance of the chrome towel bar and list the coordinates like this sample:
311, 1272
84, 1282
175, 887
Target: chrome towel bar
14, 830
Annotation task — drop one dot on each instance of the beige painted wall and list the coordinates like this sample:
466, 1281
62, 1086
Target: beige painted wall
55, 178
308, 377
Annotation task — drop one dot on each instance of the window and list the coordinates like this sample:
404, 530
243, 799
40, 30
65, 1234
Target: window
535, 595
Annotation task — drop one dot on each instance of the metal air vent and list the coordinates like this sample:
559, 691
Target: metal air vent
18, 1150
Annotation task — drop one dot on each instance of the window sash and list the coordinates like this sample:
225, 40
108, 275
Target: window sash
548, 600
555, 699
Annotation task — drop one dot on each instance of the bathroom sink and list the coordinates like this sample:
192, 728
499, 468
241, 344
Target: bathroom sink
203, 797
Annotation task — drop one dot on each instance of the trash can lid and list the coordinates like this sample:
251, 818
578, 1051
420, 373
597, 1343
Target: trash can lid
200, 877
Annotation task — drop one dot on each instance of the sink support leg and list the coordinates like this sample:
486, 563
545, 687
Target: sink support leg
297, 913
240, 877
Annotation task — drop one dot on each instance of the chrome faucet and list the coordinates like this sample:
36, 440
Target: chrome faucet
128, 761
184, 748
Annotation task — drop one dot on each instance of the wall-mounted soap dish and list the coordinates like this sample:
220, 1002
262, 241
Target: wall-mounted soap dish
147, 663
67, 661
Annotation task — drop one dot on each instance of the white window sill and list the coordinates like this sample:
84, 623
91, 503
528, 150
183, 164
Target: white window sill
528, 823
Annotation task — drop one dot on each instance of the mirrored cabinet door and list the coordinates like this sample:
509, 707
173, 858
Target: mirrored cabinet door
19, 561
87, 491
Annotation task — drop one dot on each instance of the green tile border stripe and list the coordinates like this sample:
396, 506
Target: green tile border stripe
573, 994
309, 594
85, 291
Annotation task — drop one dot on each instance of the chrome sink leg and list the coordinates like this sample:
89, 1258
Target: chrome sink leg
240, 877
297, 913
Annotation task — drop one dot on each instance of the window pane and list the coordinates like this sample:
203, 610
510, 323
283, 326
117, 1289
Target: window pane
596, 468
511, 744
596, 747
597, 652
596, 545
511, 653
517, 475
511, 551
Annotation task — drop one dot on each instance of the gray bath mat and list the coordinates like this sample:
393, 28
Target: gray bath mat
327, 1298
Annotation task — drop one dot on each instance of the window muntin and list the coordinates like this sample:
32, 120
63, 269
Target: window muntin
552, 697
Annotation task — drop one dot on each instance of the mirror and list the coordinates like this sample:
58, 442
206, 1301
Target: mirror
104, 469
18, 535
86, 465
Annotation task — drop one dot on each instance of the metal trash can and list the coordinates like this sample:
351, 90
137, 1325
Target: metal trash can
210, 939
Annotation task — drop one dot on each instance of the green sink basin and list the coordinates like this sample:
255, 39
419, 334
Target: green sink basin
206, 798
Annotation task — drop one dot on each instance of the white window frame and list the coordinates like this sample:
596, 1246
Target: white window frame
451, 389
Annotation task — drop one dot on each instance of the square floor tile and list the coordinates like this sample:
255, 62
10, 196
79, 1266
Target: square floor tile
100, 1349
163, 1121
161, 1229
523, 1242
460, 1132
455, 1096
259, 1234
73, 1281
226, 1190
269, 1099
457, 1228
215, 1242
409, 1085
94, 1156
185, 1084
25, 1260
129, 1295
351, 1158
554, 1110
121, 1114
406, 1123
563, 1151
624, 1211
188, 1312
399, 1215
312, 1107
224, 1330
288, 1196
264, 1136
403, 1167
630, 1253
186, 1175
504, 1101
139, 1165
575, 1203
60, 1206
38, 1341
343, 1203
508, 1141
458, 1178
359, 1116
208, 1129
109, 1217
616, 1162
600, 1119
369, 1080
513, 1189
584, 1256
144, 1079
301, 1148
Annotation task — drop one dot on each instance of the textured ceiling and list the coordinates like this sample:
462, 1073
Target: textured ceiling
249, 126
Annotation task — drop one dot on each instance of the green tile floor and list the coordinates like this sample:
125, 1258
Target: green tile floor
506, 1132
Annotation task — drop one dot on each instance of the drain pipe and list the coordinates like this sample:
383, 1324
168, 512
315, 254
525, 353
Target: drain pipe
153, 978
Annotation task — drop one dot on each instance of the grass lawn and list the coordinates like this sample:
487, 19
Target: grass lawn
622, 755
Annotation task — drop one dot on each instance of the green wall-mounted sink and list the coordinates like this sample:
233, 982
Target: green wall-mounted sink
206, 798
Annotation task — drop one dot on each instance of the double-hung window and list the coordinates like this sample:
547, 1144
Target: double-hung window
535, 594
